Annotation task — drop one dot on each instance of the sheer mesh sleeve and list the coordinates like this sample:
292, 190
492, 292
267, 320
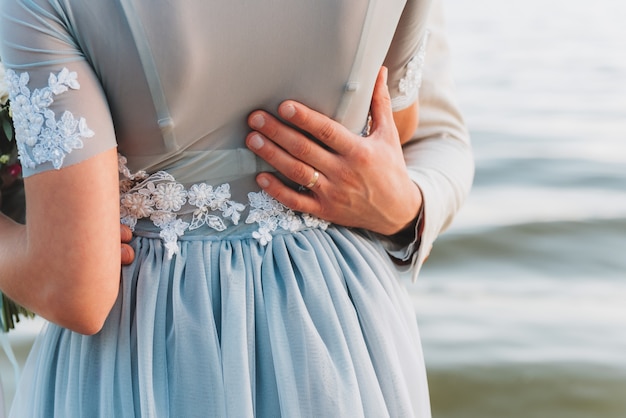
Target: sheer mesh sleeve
59, 110
405, 59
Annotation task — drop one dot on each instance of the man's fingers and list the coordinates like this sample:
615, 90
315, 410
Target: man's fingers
126, 233
297, 201
382, 115
287, 138
128, 254
321, 127
284, 161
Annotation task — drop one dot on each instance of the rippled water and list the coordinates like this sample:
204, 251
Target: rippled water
522, 304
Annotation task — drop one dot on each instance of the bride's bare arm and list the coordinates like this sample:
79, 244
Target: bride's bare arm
406, 121
64, 264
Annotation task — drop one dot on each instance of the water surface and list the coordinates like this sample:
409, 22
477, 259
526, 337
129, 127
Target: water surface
522, 303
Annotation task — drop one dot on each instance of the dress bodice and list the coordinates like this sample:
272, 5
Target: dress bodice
195, 70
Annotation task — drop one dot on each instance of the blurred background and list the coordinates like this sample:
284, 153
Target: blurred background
522, 304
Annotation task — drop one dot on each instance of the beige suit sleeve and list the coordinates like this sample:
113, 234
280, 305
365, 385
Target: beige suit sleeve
439, 156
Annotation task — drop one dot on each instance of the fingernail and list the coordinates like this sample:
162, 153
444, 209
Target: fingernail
256, 141
263, 182
257, 121
288, 111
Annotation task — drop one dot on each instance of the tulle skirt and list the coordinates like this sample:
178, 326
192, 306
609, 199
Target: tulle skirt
314, 324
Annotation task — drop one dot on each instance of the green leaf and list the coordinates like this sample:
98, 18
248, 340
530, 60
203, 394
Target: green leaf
8, 129
10, 313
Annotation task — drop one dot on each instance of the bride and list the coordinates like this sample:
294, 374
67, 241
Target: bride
256, 151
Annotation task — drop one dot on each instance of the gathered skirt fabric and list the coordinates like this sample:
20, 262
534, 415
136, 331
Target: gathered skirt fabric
314, 324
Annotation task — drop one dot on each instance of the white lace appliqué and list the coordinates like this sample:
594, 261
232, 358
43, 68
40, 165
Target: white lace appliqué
40, 136
412, 81
161, 198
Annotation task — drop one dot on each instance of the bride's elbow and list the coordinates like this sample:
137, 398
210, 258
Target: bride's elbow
83, 318
83, 307
88, 326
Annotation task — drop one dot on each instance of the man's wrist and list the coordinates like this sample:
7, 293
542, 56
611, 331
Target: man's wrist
408, 233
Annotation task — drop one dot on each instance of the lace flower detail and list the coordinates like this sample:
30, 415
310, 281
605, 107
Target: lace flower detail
170, 232
412, 81
314, 222
163, 200
270, 215
40, 136
200, 195
169, 197
139, 204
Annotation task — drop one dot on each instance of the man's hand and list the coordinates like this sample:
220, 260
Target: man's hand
353, 181
128, 254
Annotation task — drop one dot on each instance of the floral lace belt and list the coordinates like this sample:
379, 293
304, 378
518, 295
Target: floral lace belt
175, 209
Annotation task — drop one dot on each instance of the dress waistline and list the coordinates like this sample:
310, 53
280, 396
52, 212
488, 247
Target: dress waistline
175, 209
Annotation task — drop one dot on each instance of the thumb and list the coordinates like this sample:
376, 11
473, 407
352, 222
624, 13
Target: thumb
382, 115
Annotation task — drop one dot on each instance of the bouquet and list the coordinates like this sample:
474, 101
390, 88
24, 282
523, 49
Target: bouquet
10, 168
10, 172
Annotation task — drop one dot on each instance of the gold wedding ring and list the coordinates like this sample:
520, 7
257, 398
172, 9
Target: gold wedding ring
313, 181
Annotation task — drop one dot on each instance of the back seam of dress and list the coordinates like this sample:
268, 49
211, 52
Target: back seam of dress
165, 121
353, 83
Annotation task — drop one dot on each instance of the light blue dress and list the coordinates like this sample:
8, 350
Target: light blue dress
235, 306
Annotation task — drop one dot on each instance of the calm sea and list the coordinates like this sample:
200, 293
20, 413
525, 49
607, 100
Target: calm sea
522, 305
